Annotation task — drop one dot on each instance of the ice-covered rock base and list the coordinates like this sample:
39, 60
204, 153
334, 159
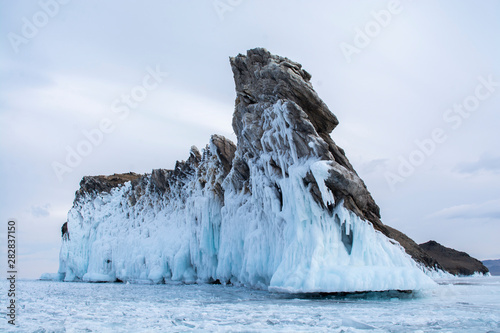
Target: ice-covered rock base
301, 248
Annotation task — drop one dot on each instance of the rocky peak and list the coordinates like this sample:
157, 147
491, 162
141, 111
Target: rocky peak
453, 261
224, 149
262, 77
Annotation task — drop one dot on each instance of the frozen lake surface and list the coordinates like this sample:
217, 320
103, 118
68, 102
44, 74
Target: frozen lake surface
456, 305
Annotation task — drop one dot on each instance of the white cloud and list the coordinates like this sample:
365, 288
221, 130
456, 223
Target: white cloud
485, 163
485, 210
40, 211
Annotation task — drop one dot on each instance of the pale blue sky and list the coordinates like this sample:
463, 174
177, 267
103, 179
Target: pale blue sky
396, 90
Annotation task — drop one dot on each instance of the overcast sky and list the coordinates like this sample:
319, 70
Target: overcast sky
413, 84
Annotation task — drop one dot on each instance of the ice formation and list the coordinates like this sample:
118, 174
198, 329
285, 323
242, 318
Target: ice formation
283, 210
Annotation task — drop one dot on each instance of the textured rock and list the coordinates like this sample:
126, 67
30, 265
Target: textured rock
64, 231
453, 261
98, 184
225, 150
262, 77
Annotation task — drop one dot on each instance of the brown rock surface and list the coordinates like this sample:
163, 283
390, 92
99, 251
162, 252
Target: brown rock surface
453, 261
97, 184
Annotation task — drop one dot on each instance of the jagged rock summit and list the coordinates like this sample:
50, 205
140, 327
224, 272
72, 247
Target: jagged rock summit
282, 209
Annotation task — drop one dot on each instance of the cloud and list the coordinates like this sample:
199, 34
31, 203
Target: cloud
374, 165
40, 211
486, 210
486, 163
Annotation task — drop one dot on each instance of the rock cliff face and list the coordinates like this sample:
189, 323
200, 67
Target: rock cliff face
453, 261
282, 209
262, 78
